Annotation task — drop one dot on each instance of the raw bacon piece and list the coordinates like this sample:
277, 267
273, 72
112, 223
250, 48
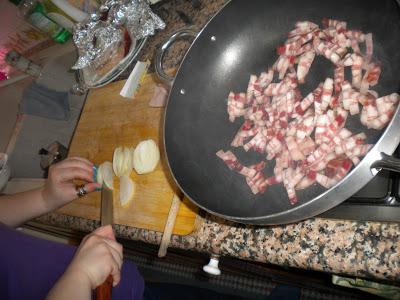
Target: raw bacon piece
258, 166
368, 114
307, 136
338, 78
305, 127
356, 71
355, 46
288, 182
371, 77
296, 46
266, 78
331, 51
304, 183
311, 98
321, 164
336, 169
327, 90
280, 88
318, 154
236, 104
325, 181
377, 115
386, 104
359, 150
294, 149
336, 24
273, 147
232, 162
303, 28
350, 98
282, 65
250, 88
355, 61
258, 143
355, 35
348, 144
245, 131
321, 128
335, 165
341, 40
369, 47
305, 62
257, 183
306, 145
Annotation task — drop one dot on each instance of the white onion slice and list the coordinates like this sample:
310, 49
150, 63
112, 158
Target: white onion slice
117, 161
132, 151
107, 174
126, 189
146, 157
99, 177
126, 161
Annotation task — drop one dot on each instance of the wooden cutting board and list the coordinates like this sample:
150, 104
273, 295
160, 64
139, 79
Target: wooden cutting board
109, 120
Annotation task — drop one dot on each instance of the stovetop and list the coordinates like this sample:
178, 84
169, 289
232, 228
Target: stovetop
379, 200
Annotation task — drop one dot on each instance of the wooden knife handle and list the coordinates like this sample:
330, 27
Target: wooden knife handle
103, 291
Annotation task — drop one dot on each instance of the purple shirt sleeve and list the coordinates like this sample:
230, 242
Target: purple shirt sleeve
30, 266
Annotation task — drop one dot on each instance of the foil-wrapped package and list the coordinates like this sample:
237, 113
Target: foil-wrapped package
104, 33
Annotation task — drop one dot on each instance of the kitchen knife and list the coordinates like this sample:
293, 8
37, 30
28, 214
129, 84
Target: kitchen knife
106, 211
103, 291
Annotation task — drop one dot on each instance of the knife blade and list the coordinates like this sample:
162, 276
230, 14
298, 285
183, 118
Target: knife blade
103, 291
106, 211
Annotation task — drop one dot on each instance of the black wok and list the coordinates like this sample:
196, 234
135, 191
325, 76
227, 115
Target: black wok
241, 40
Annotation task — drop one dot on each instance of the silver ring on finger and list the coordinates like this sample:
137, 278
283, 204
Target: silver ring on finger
80, 191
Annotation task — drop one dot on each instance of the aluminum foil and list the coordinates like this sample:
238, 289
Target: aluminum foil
99, 37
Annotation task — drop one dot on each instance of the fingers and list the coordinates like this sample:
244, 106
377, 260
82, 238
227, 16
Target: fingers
80, 160
116, 267
114, 258
72, 168
116, 274
75, 163
100, 257
84, 160
116, 261
67, 174
91, 187
116, 250
105, 231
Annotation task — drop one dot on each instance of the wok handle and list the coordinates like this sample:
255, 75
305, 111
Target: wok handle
387, 162
182, 33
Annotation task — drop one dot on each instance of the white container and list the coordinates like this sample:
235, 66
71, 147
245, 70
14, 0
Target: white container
70, 10
4, 171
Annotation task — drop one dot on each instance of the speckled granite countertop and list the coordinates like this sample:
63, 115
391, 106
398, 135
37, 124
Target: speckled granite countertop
364, 249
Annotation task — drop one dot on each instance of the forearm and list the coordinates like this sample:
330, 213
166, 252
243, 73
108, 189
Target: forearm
19, 208
71, 285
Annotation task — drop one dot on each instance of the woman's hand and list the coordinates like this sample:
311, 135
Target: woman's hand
58, 191
60, 188
98, 256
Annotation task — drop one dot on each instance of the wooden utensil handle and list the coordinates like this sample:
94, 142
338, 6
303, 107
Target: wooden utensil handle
169, 226
103, 291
